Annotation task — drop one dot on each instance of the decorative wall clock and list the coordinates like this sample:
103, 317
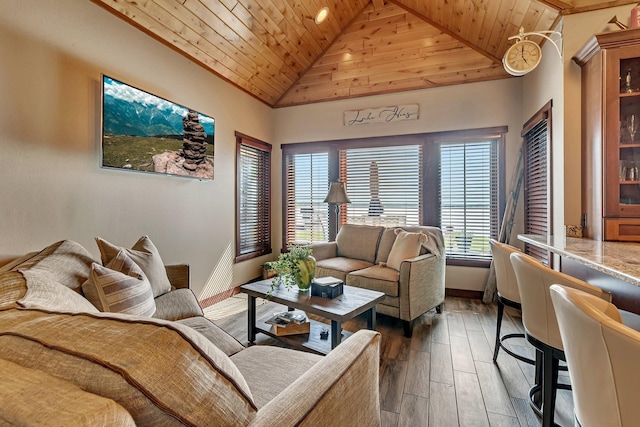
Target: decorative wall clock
522, 57
525, 55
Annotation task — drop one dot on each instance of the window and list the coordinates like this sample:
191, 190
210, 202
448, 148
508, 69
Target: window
306, 183
453, 180
469, 203
384, 184
536, 180
253, 198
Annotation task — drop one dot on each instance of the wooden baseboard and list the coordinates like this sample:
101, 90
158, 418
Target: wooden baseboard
463, 293
207, 302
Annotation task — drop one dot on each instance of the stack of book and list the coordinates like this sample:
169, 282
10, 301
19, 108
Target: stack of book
326, 287
289, 323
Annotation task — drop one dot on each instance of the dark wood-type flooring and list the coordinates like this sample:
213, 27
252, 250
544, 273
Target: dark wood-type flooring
444, 374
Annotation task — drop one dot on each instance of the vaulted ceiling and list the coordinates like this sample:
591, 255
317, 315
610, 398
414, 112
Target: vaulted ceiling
275, 51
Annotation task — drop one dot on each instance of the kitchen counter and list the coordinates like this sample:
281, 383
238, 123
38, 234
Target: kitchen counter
618, 259
614, 266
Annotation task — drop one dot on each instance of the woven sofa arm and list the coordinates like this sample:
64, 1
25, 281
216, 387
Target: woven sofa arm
421, 285
178, 275
340, 389
324, 250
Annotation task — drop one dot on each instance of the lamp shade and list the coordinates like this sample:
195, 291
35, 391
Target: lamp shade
337, 193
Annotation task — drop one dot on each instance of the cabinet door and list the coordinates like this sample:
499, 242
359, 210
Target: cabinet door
622, 147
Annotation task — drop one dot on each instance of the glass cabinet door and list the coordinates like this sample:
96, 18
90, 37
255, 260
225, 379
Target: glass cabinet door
624, 139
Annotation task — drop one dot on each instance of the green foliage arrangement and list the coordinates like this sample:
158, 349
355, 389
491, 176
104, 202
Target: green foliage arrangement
294, 267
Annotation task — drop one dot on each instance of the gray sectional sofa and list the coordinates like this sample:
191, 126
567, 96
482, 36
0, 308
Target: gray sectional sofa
64, 362
359, 257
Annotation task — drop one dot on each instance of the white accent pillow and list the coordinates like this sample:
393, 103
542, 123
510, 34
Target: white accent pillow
46, 294
146, 255
120, 287
406, 246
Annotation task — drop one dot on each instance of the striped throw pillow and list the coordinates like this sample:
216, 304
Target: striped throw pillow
120, 287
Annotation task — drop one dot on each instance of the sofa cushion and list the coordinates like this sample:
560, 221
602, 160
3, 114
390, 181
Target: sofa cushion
66, 262
269, 370
375, 278
225, 342
59, 403
120, 287
177, 304
407, 245
358, 241
166, 374
46, 294
146, 255
339, 267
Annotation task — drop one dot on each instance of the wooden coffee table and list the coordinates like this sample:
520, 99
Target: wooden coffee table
351, 303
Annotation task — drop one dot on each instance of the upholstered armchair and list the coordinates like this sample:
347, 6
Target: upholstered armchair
364, 256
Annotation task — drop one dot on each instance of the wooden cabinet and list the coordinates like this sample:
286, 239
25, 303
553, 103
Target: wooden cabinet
611, 135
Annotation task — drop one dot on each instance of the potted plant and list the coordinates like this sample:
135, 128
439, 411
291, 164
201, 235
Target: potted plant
297, 266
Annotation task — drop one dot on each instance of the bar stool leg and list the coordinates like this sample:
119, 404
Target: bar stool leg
498, 326
549, 380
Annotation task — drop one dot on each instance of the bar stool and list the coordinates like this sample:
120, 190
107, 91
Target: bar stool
508, 294
541, 325
605, 383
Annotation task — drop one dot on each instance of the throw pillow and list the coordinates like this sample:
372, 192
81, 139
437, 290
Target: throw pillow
407, 245
120, 287
146, 255
47, 294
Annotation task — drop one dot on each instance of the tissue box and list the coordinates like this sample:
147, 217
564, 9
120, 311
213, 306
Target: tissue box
327, 287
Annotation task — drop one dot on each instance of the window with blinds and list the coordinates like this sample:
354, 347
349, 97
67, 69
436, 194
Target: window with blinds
384, 185
253, 198
469, 197
536, 184
453, 180
306, 216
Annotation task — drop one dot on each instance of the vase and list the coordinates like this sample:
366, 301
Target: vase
307, 271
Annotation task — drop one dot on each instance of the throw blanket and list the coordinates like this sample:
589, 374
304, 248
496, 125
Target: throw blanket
160, 372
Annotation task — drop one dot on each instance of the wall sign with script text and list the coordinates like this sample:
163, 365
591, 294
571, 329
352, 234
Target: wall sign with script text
394, 113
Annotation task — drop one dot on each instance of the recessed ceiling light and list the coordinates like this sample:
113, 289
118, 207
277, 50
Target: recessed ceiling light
322, 15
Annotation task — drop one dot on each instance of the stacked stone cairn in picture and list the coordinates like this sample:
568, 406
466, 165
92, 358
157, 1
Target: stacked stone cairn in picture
191, 160
194, 146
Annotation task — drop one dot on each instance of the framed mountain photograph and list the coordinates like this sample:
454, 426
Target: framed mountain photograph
145, 133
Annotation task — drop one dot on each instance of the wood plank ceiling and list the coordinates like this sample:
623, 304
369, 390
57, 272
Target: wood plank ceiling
274, 50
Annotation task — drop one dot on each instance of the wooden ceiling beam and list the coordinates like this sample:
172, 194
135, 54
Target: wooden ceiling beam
448, 32
337, 37
378, 4
580, 6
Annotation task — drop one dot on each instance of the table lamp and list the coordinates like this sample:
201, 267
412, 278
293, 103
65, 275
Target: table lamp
337, 195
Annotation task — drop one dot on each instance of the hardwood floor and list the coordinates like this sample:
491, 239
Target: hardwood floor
444, 374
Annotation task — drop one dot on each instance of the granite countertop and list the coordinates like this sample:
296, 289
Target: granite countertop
617, 259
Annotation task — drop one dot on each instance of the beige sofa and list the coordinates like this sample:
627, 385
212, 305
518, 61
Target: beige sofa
359, 256
63, 362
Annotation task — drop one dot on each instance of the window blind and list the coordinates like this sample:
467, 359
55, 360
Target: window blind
253, 198
536, 181
384, 185
469, 203
306, 185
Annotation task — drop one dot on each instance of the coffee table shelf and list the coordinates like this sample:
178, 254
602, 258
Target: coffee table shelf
310, 341
353, 302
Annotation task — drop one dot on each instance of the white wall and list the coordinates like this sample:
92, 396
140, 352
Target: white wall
51, 185
476, 105
559, 80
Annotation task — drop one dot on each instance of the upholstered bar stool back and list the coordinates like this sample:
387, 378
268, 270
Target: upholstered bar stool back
602, 357
508, 294
540, 322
